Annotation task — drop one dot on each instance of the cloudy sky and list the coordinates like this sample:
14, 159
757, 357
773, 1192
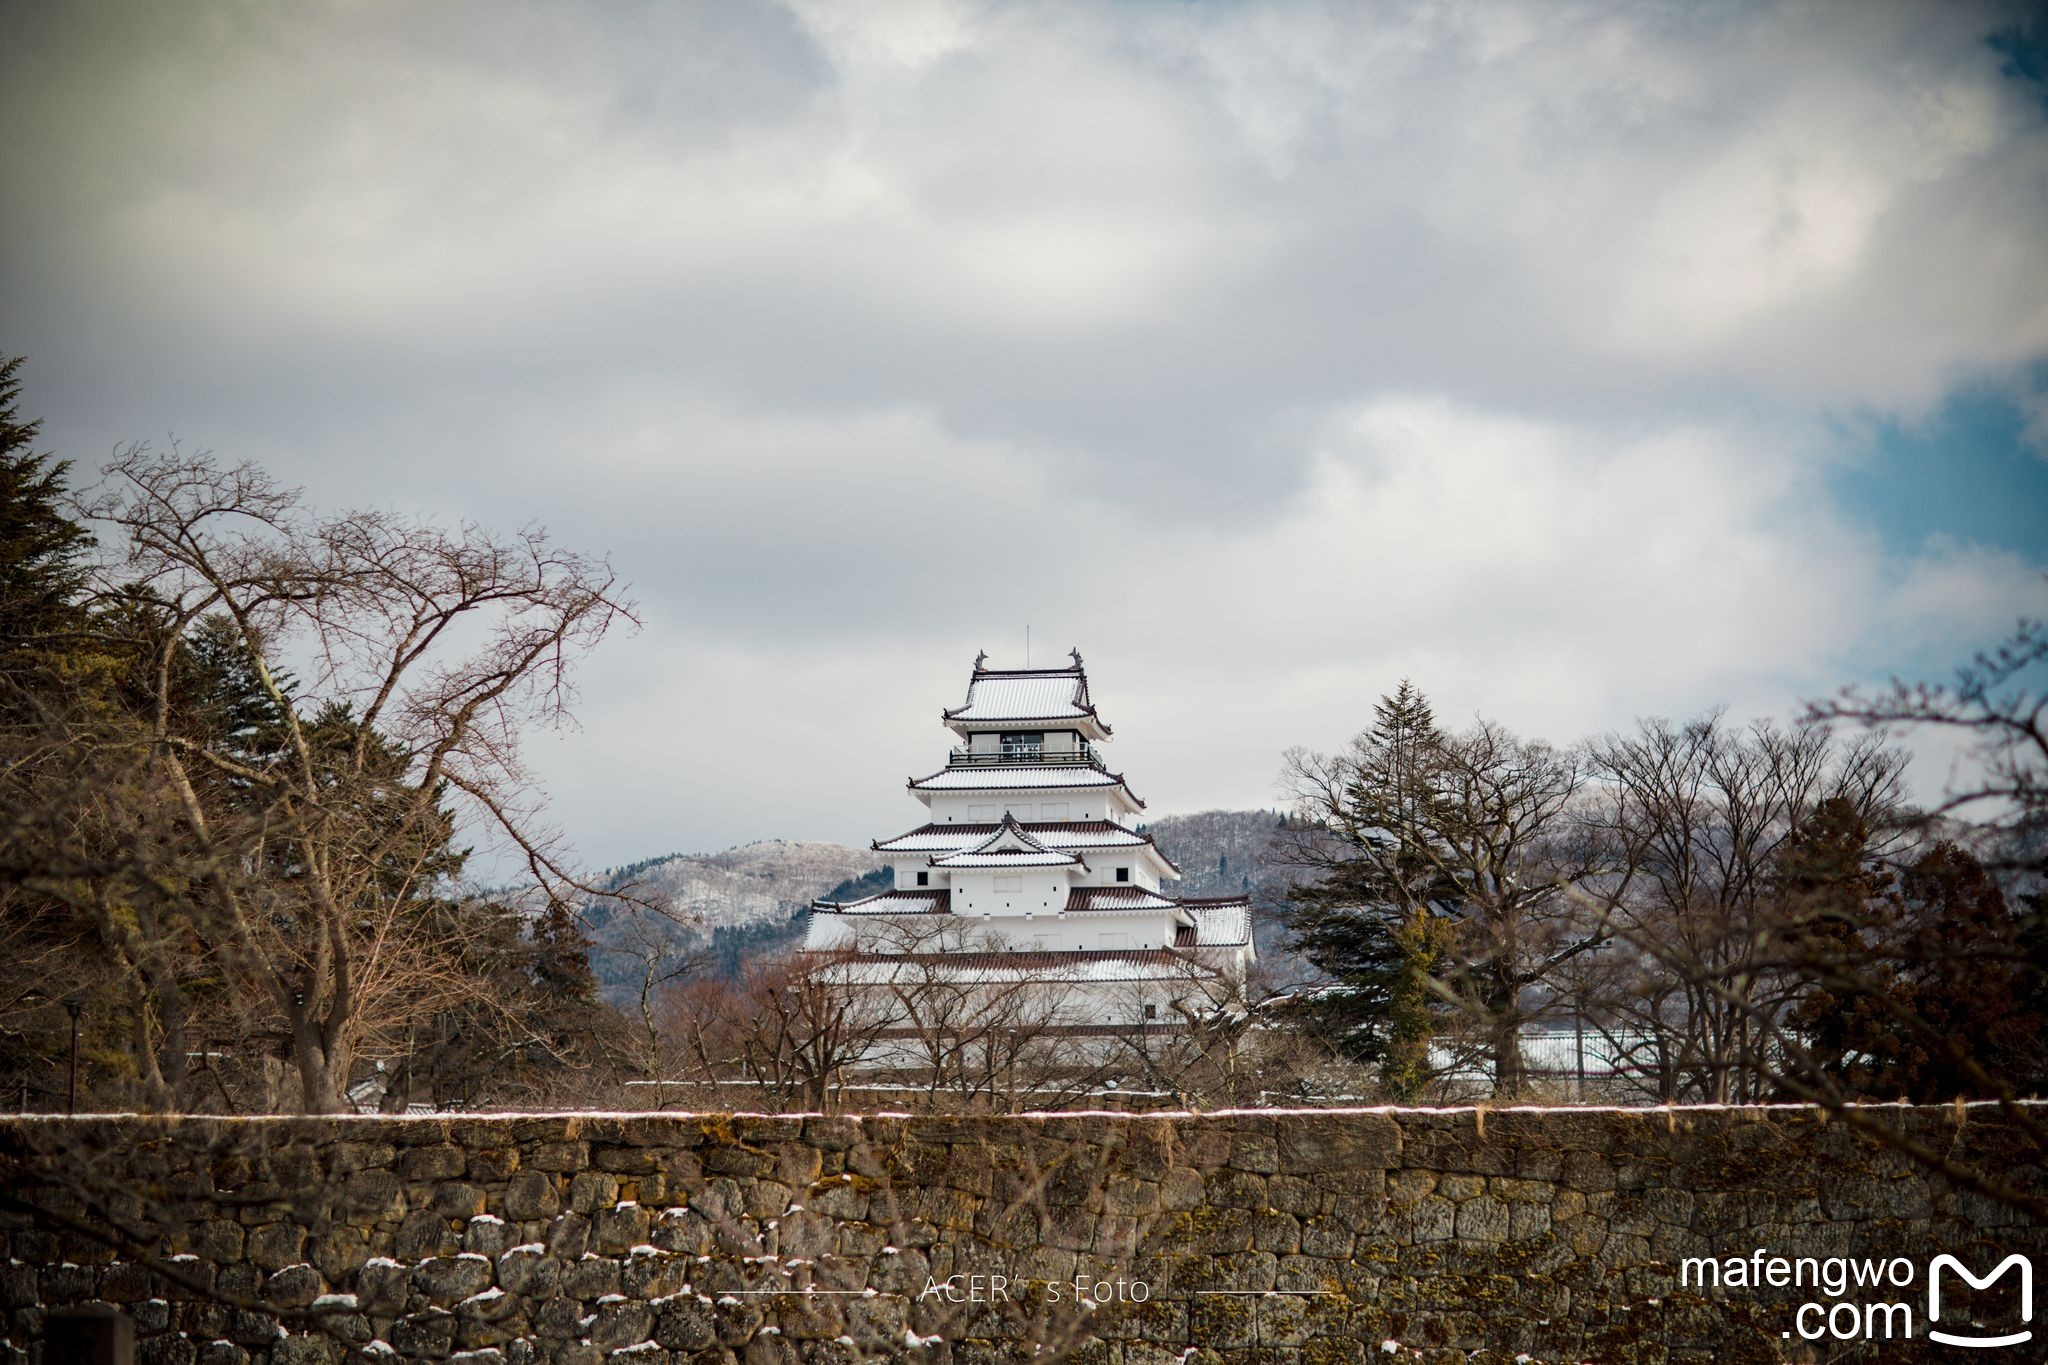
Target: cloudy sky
1580, 362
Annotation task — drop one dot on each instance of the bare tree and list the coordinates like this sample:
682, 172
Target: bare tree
389, 667
1206, 1043
1999, 702
973, 1024
1700, 815
788, 1028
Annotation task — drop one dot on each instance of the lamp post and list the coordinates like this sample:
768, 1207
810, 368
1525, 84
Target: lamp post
73, 1006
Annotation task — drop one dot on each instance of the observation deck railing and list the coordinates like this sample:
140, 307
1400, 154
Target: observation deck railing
1085, 756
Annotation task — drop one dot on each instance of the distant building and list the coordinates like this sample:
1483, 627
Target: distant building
1032, 867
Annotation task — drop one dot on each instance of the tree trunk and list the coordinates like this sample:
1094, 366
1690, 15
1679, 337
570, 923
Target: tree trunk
323, 1077
1509, 1076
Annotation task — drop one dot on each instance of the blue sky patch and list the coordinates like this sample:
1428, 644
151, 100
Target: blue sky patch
1964, 472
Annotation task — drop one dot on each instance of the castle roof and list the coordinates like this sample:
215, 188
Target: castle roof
905, 902
1001, 695
1009, 846
1063, 834
1118, 898
1084, 965
1225, 922
1221, 922
1031, 777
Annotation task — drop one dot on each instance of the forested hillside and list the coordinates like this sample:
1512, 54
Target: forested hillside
716, 910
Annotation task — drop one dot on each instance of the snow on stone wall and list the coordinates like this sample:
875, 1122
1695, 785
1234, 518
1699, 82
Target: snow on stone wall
1127, 1240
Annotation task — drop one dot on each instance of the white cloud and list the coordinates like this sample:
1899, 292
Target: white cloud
1268, 351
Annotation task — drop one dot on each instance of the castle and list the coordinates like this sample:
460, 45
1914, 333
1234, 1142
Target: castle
1032, 867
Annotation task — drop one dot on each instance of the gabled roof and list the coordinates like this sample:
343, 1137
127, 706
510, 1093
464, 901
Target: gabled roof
1062, 834
1009, 846
1026, 694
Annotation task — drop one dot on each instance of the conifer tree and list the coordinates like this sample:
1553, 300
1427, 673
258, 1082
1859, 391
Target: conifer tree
1371, 921
1421, 942
1449, 886
561, 960
42, 574
1933, 993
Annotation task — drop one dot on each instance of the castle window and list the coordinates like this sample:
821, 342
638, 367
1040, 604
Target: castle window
924, 879
1123, 874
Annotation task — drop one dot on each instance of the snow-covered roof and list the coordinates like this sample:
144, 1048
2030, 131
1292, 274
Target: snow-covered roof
1016, 779
1221, 923
1224, 923
1007, 857
1132, 964
1063, 834
1009, 846
1117, 898
1026, 694
903, 902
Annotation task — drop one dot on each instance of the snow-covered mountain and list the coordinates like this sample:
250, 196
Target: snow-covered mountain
767, 880
721, 907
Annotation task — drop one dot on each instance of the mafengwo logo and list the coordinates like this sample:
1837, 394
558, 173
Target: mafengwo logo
1946, 1262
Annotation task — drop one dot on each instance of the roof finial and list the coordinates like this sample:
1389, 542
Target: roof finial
1077, 657
980, 659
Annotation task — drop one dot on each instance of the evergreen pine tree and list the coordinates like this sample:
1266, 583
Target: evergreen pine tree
1375, 921
1421, 943
42, 576
561, 962
1940, 997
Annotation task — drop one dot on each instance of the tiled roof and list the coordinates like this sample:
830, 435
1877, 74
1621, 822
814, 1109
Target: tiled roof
1117, 898
1131, 964
1218, 923
1007, 858
1221, 923
1018, 779
904, 902
1021, 778
1004, 694
1009, 846
1052, 834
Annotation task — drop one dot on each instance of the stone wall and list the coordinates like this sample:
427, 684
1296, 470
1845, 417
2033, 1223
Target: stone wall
1274, 1237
